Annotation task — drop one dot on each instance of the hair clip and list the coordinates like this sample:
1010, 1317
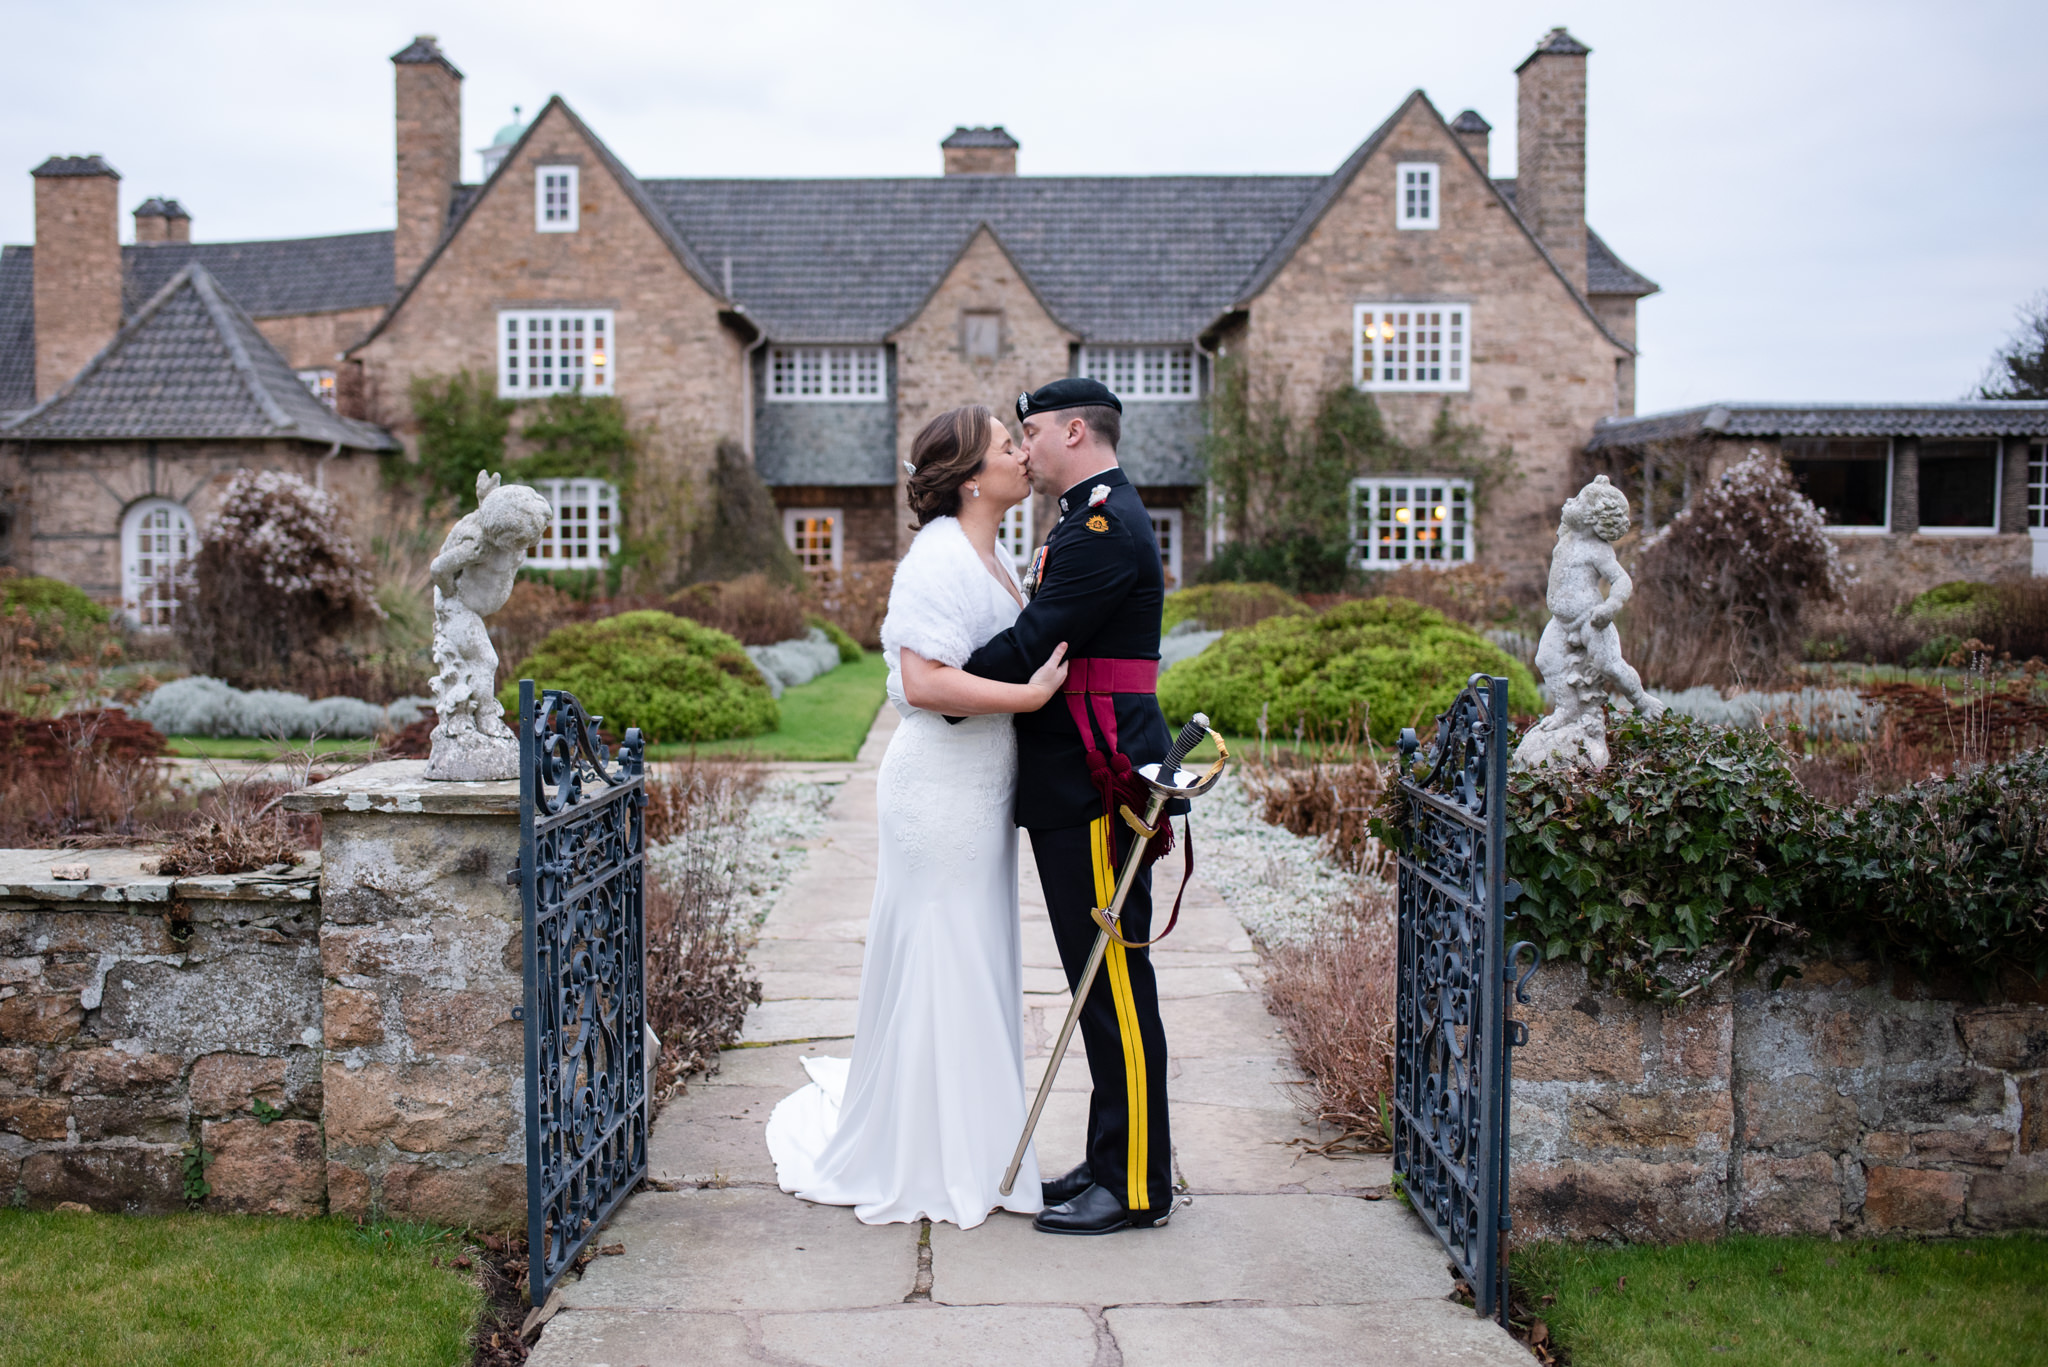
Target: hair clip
908, 468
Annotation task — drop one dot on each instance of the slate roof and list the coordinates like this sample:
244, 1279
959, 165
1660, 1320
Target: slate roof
1606, 273
1116, 259
1972, 418
190, 364
963, 136
17, 329
94, 165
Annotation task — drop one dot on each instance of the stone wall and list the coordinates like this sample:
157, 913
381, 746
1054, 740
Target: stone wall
365, 998
1851, 1099
140, 1014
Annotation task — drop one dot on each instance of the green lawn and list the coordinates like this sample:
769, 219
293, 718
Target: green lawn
826, 718
246, 747
215, 1289
1813, 1302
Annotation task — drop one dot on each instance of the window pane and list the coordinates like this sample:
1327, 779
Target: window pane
1849, 493
1958, 484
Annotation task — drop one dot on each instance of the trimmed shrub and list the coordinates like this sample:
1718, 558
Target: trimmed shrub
1397, 662
203, 706
43, 598
674, 679
849, 649
1228, 606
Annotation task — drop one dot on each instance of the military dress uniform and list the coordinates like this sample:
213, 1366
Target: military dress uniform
1099, 587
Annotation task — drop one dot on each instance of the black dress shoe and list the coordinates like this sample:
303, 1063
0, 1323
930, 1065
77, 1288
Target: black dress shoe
1063, 1189
1095, 1211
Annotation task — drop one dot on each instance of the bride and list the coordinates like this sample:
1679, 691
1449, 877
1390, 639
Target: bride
922, 1120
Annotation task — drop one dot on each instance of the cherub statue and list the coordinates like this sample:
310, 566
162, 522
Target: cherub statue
473, 577
1580, 653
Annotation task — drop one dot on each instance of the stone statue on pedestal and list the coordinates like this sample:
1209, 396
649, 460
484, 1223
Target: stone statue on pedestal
473, 577
1579, 656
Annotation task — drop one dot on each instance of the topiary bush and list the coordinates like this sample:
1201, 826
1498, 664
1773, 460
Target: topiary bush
674, 679
1228, 606
1398, 662
43, 598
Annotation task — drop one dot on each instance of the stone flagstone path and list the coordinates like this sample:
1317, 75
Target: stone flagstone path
1271, 1254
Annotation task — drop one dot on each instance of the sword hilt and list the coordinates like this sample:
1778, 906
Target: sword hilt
1190, 736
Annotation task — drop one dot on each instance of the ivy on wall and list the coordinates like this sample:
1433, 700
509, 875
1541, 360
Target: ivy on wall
465, 427
1285, 484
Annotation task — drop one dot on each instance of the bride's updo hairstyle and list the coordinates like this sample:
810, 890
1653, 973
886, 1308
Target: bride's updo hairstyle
947, 453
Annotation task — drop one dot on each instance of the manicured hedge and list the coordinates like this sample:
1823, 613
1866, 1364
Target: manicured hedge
673, 679
1400, 662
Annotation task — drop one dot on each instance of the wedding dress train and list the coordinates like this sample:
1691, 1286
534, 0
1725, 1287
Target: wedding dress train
922, 1120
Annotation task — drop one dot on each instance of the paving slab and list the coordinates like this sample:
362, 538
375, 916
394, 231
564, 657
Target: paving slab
985, 1336
769, 956
1258, 1083
641, 1338
768, 1065
745, 1248
1236, 1149
1176, 982
720, 1139
1233, 1024
824, 985
1388, 1334
1295, 1250
805, 1018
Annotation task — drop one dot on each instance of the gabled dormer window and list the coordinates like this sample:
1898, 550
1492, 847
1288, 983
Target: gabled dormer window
1416, 194
554, 199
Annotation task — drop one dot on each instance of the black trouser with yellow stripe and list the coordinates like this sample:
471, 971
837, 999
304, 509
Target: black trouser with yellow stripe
1129, 1151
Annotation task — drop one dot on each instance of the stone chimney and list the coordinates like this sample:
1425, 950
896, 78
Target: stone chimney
1472, 131
980, 152
429, 151
1550, 149
77, 266
162, 220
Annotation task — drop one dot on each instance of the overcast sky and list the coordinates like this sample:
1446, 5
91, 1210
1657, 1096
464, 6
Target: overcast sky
1840, 200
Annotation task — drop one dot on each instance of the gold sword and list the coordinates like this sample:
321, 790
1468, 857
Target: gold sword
1166, 780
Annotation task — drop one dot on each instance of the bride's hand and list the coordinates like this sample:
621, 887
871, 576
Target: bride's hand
1052, 673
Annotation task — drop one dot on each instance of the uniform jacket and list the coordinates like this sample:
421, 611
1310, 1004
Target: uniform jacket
1100, 589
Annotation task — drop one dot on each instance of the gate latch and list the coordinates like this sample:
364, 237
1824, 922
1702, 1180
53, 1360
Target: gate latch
512, 876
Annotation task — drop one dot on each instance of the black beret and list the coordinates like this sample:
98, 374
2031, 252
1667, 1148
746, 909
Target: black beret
1069, 393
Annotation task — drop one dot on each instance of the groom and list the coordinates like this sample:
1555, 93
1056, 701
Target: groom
1096, 585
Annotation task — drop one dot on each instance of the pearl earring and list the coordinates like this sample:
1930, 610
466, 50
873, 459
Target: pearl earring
974, 489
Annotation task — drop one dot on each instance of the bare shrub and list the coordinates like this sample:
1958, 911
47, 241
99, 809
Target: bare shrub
532, 612
698, 986
1332, 797
84, 775
856, 599
752, 609
1335, 999
240, 825
1719, 589
1868, 624
275, 585
1473, 593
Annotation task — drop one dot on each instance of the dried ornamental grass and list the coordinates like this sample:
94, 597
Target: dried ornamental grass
1334, 996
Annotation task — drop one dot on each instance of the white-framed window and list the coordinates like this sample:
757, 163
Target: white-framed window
816, 535
320, 384
1416, 198
1959, 487
554, 199
1848, 478
1014, 536
553, 351
1166, 525
584, 532
1413, 346
157, 543
825, 374
1143, 372
2037, 504
1411, 519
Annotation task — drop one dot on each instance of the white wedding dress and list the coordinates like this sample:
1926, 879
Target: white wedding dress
922, 1120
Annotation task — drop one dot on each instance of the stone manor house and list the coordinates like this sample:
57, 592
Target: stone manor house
817, 323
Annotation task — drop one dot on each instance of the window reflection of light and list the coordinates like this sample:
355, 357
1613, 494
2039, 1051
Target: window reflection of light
1402, 514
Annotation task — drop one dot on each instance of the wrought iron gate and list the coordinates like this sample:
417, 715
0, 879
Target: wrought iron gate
1452, 1035
580, 874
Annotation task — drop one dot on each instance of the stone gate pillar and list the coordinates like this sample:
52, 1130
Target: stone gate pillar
420, 957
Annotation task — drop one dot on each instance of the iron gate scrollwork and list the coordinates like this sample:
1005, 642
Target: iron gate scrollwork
1452, 1034
581, 876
